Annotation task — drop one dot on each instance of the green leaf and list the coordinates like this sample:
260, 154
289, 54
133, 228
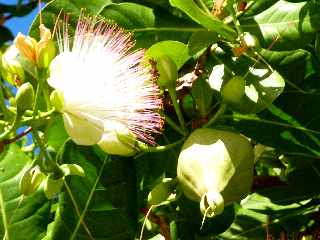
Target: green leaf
202, 95
201, 40
258, 6
296, 175
27, 217
203, 18
281, 130
57, 134
285, 25
276, 208
177, 51
52, 10
113, 201
296, 66
129, 15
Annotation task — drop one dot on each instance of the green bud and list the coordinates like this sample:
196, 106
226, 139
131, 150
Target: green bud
45, 54
31, 181
24, 98
168, 72
12, 69
57, 100
52, 186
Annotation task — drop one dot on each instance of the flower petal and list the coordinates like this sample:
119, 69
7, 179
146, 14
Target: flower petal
82, 131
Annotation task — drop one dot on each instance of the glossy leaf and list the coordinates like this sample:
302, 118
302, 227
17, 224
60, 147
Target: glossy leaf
200, 16
285, 25
177, 51
201, 40
129, 15
27, 217
112, 202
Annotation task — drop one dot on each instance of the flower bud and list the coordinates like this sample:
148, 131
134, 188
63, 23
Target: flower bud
117, 140
12, 69
24, 98
45, 49
57, 100
168, 72
26, 46
215, 168
31, 180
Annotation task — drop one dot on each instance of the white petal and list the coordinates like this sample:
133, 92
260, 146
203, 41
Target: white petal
117, 140
81, 130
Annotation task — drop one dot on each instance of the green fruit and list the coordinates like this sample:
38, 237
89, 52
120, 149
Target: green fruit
215, 168
24, 98
168, 72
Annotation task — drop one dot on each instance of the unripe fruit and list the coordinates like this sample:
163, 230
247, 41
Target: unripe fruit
215, 168
24, 98
168, 72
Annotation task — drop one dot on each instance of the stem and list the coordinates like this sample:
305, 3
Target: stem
172, 124
250, 118
166, 29
145, 148
11, 128
173, 95
16, 138
75, 205
217, 115
29, 120
38, 92
203, 6
3, 106
73, 236
236, 23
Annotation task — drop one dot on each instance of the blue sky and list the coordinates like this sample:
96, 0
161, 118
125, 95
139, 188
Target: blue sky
21, 24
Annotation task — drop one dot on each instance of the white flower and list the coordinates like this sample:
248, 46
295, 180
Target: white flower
108, 95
